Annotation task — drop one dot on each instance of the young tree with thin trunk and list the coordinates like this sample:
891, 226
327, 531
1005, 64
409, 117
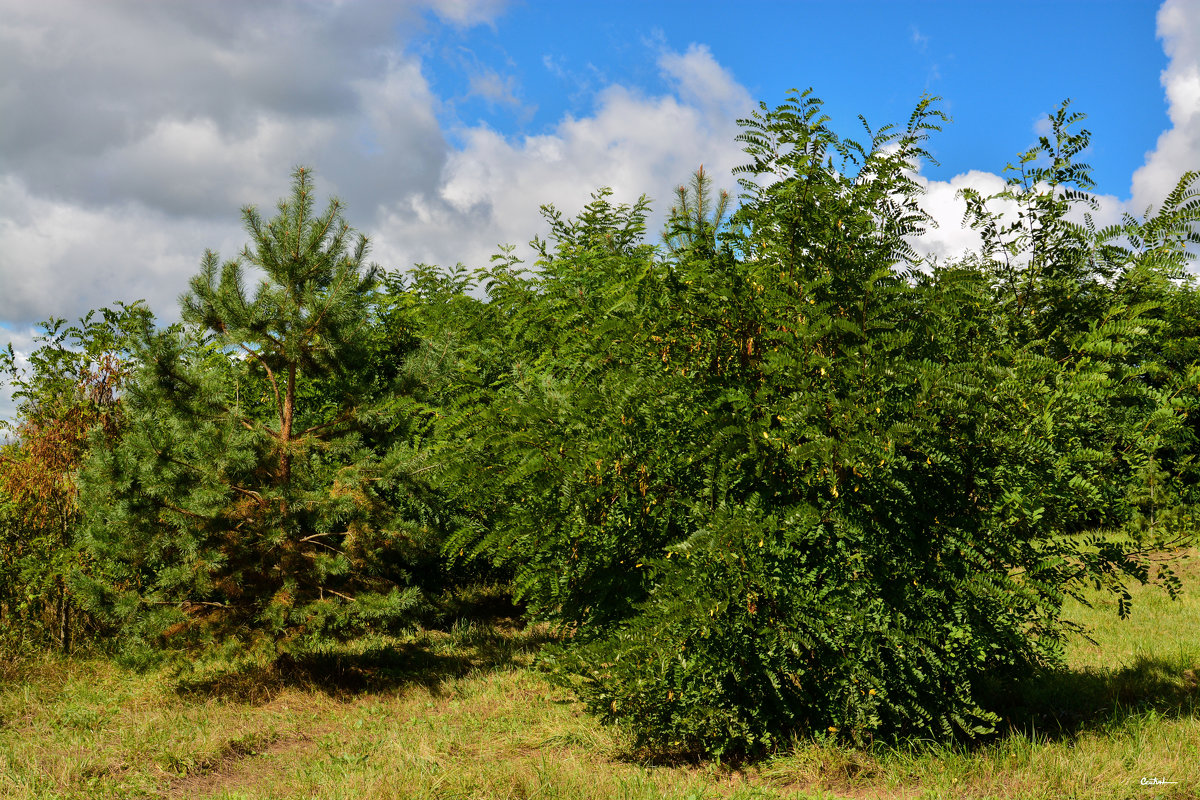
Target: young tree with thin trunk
244, 515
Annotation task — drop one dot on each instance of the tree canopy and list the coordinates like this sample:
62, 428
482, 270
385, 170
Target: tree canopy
768, 471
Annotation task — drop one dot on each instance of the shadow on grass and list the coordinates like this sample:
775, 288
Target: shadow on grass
1063, 703
481, 633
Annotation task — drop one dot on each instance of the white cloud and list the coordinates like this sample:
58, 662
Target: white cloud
61, 258
134, 130
920, 40
492, 187
701, 82
1178, 149
949, 238
493, 87
114, 188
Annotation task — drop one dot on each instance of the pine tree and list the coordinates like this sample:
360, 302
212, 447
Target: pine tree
696, 219
243, 514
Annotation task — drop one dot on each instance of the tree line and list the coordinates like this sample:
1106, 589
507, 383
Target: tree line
769, 471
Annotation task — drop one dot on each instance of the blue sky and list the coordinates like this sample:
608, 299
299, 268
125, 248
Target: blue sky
997, 65
132, 131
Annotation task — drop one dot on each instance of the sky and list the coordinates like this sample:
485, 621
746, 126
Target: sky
133, 131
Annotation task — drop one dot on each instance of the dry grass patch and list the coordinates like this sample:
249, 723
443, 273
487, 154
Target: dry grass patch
463, 714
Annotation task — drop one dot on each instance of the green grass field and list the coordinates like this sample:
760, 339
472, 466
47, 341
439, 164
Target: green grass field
462, 715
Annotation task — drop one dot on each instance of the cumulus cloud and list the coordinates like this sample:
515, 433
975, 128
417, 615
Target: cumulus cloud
949, 239
1178, 148
57, 252
97, 96
134, 129
491, 188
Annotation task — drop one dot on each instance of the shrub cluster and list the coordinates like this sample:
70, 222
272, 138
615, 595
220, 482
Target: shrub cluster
775, 474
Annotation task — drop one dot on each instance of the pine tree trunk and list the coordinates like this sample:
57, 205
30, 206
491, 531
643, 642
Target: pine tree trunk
289, 561
285, 431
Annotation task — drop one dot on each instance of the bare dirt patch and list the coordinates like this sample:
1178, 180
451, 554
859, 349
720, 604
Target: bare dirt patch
243, 766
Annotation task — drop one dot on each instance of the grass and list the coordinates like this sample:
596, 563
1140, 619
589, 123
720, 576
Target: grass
461, 714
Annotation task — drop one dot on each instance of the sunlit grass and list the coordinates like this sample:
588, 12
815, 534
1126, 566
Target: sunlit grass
462, 714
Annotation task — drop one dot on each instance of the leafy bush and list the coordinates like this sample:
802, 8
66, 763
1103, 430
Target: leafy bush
69, 390
783, 480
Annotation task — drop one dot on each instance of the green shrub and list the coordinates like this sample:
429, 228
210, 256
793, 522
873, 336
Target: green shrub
780, 479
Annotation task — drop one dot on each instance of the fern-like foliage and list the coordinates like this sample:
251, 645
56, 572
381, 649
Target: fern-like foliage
779, 477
